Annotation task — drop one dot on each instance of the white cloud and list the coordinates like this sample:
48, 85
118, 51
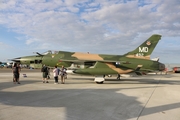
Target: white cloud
30, 41
4, 47
94, 26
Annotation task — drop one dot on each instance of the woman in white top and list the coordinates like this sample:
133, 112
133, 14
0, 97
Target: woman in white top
55, 73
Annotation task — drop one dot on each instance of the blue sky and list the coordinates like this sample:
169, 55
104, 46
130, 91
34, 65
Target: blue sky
95, 26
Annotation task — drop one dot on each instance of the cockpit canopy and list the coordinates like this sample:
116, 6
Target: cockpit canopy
50, 52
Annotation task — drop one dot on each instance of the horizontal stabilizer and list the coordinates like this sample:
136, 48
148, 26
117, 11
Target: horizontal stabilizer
155, 59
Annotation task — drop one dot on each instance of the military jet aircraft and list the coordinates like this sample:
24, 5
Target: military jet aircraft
136, 61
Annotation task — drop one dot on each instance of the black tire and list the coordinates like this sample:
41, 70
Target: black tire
100, 82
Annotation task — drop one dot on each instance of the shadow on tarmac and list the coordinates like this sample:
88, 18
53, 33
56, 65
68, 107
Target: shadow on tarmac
80, 104
83, 103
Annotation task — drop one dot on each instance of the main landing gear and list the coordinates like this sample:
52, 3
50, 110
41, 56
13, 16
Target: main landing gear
119, 77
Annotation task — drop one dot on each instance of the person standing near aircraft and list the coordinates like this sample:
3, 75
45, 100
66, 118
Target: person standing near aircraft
44, 71
48, 71
19, 69
55, 72
63, 74
16, 72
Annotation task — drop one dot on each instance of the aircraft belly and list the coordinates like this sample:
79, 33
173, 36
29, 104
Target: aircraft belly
95, 71
101, 71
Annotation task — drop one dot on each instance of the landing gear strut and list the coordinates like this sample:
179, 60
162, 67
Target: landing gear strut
118, 77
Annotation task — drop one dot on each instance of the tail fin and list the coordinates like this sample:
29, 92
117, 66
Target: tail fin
145, 49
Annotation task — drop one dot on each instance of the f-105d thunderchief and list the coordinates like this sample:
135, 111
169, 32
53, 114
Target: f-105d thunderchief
136, 61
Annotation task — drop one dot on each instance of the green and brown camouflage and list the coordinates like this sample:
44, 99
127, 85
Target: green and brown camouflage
136, 61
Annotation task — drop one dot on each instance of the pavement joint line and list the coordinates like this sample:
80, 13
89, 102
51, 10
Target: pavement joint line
149, 97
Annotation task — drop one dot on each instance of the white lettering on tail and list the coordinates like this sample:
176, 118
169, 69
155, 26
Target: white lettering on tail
144, 49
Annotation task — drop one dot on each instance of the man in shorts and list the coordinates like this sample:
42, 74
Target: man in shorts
44, 71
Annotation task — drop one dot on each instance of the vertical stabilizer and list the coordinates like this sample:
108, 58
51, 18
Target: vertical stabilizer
145, 49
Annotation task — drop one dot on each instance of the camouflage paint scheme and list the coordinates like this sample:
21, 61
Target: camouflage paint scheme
137, 60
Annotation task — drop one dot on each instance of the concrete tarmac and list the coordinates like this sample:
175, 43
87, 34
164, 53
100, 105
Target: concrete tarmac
149, 97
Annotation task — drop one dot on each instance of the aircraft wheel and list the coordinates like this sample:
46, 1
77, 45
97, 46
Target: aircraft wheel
100, 82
